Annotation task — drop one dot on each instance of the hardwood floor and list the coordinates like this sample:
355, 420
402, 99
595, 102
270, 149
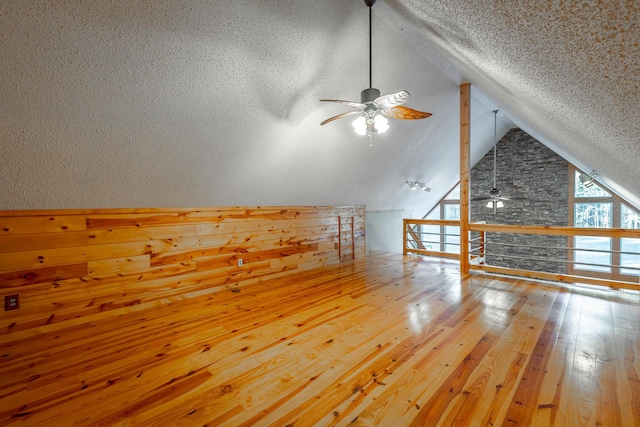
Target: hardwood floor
384, 340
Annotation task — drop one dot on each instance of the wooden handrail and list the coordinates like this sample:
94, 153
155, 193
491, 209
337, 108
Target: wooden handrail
532, 229
432, 222
477, 254
556, 230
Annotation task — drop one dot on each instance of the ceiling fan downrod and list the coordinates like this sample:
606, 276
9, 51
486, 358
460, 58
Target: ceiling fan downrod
369, 4
369, 95
495, 143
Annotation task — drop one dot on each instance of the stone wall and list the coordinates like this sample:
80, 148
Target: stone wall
536, 180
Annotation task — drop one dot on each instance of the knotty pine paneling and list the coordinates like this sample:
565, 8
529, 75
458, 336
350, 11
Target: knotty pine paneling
73, 264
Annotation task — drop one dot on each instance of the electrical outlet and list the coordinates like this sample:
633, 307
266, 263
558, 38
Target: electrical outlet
11, 302
239, 262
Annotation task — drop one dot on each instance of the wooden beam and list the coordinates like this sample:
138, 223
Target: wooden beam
404, 237
465, 143
552, 230
565, 278
440, 222
557, 230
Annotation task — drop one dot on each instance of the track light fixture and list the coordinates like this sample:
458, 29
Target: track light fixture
414, 185
587, 180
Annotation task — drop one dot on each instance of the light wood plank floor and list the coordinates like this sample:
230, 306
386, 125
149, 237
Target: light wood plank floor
386, 340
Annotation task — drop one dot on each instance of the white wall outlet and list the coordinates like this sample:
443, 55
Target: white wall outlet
239, 262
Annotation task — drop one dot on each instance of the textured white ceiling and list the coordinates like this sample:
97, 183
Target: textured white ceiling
197, 103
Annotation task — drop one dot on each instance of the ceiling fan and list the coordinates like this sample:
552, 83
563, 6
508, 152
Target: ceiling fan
494, 197
373, 108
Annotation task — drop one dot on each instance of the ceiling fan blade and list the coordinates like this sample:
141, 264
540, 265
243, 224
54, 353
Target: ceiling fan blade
404, 113
391, 100
353, 104
339, 116
480, 199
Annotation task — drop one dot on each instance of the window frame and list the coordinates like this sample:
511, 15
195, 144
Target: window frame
616, 219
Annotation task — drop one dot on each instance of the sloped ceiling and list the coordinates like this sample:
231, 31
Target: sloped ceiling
208, 103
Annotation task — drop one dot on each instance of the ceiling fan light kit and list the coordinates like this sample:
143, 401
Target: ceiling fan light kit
498, 204
373, 109
370, 120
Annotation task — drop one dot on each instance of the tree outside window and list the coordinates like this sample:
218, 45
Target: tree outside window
595, 207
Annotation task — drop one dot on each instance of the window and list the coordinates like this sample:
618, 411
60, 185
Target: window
582, 191
596, 251
593, 215
452, 233
614, 258
606, 257
629, 262
430, 234
447, 208
454, 194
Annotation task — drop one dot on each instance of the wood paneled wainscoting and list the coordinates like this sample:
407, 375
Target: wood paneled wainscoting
384, 339
86, 264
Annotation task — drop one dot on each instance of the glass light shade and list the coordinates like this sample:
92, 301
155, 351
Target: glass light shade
500, 204
490, 204
360, 125
381, 123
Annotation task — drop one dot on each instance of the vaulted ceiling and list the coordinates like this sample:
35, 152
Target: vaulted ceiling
209, 103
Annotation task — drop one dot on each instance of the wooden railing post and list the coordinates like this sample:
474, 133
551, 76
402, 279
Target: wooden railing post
465, 143
404, 236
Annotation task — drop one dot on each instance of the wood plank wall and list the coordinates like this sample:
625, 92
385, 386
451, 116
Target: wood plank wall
80, 265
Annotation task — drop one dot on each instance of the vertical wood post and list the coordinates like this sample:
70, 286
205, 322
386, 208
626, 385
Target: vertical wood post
465, 144
340, 237
353, 239
404, 236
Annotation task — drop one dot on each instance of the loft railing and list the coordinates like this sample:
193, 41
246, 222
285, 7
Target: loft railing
537, 252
